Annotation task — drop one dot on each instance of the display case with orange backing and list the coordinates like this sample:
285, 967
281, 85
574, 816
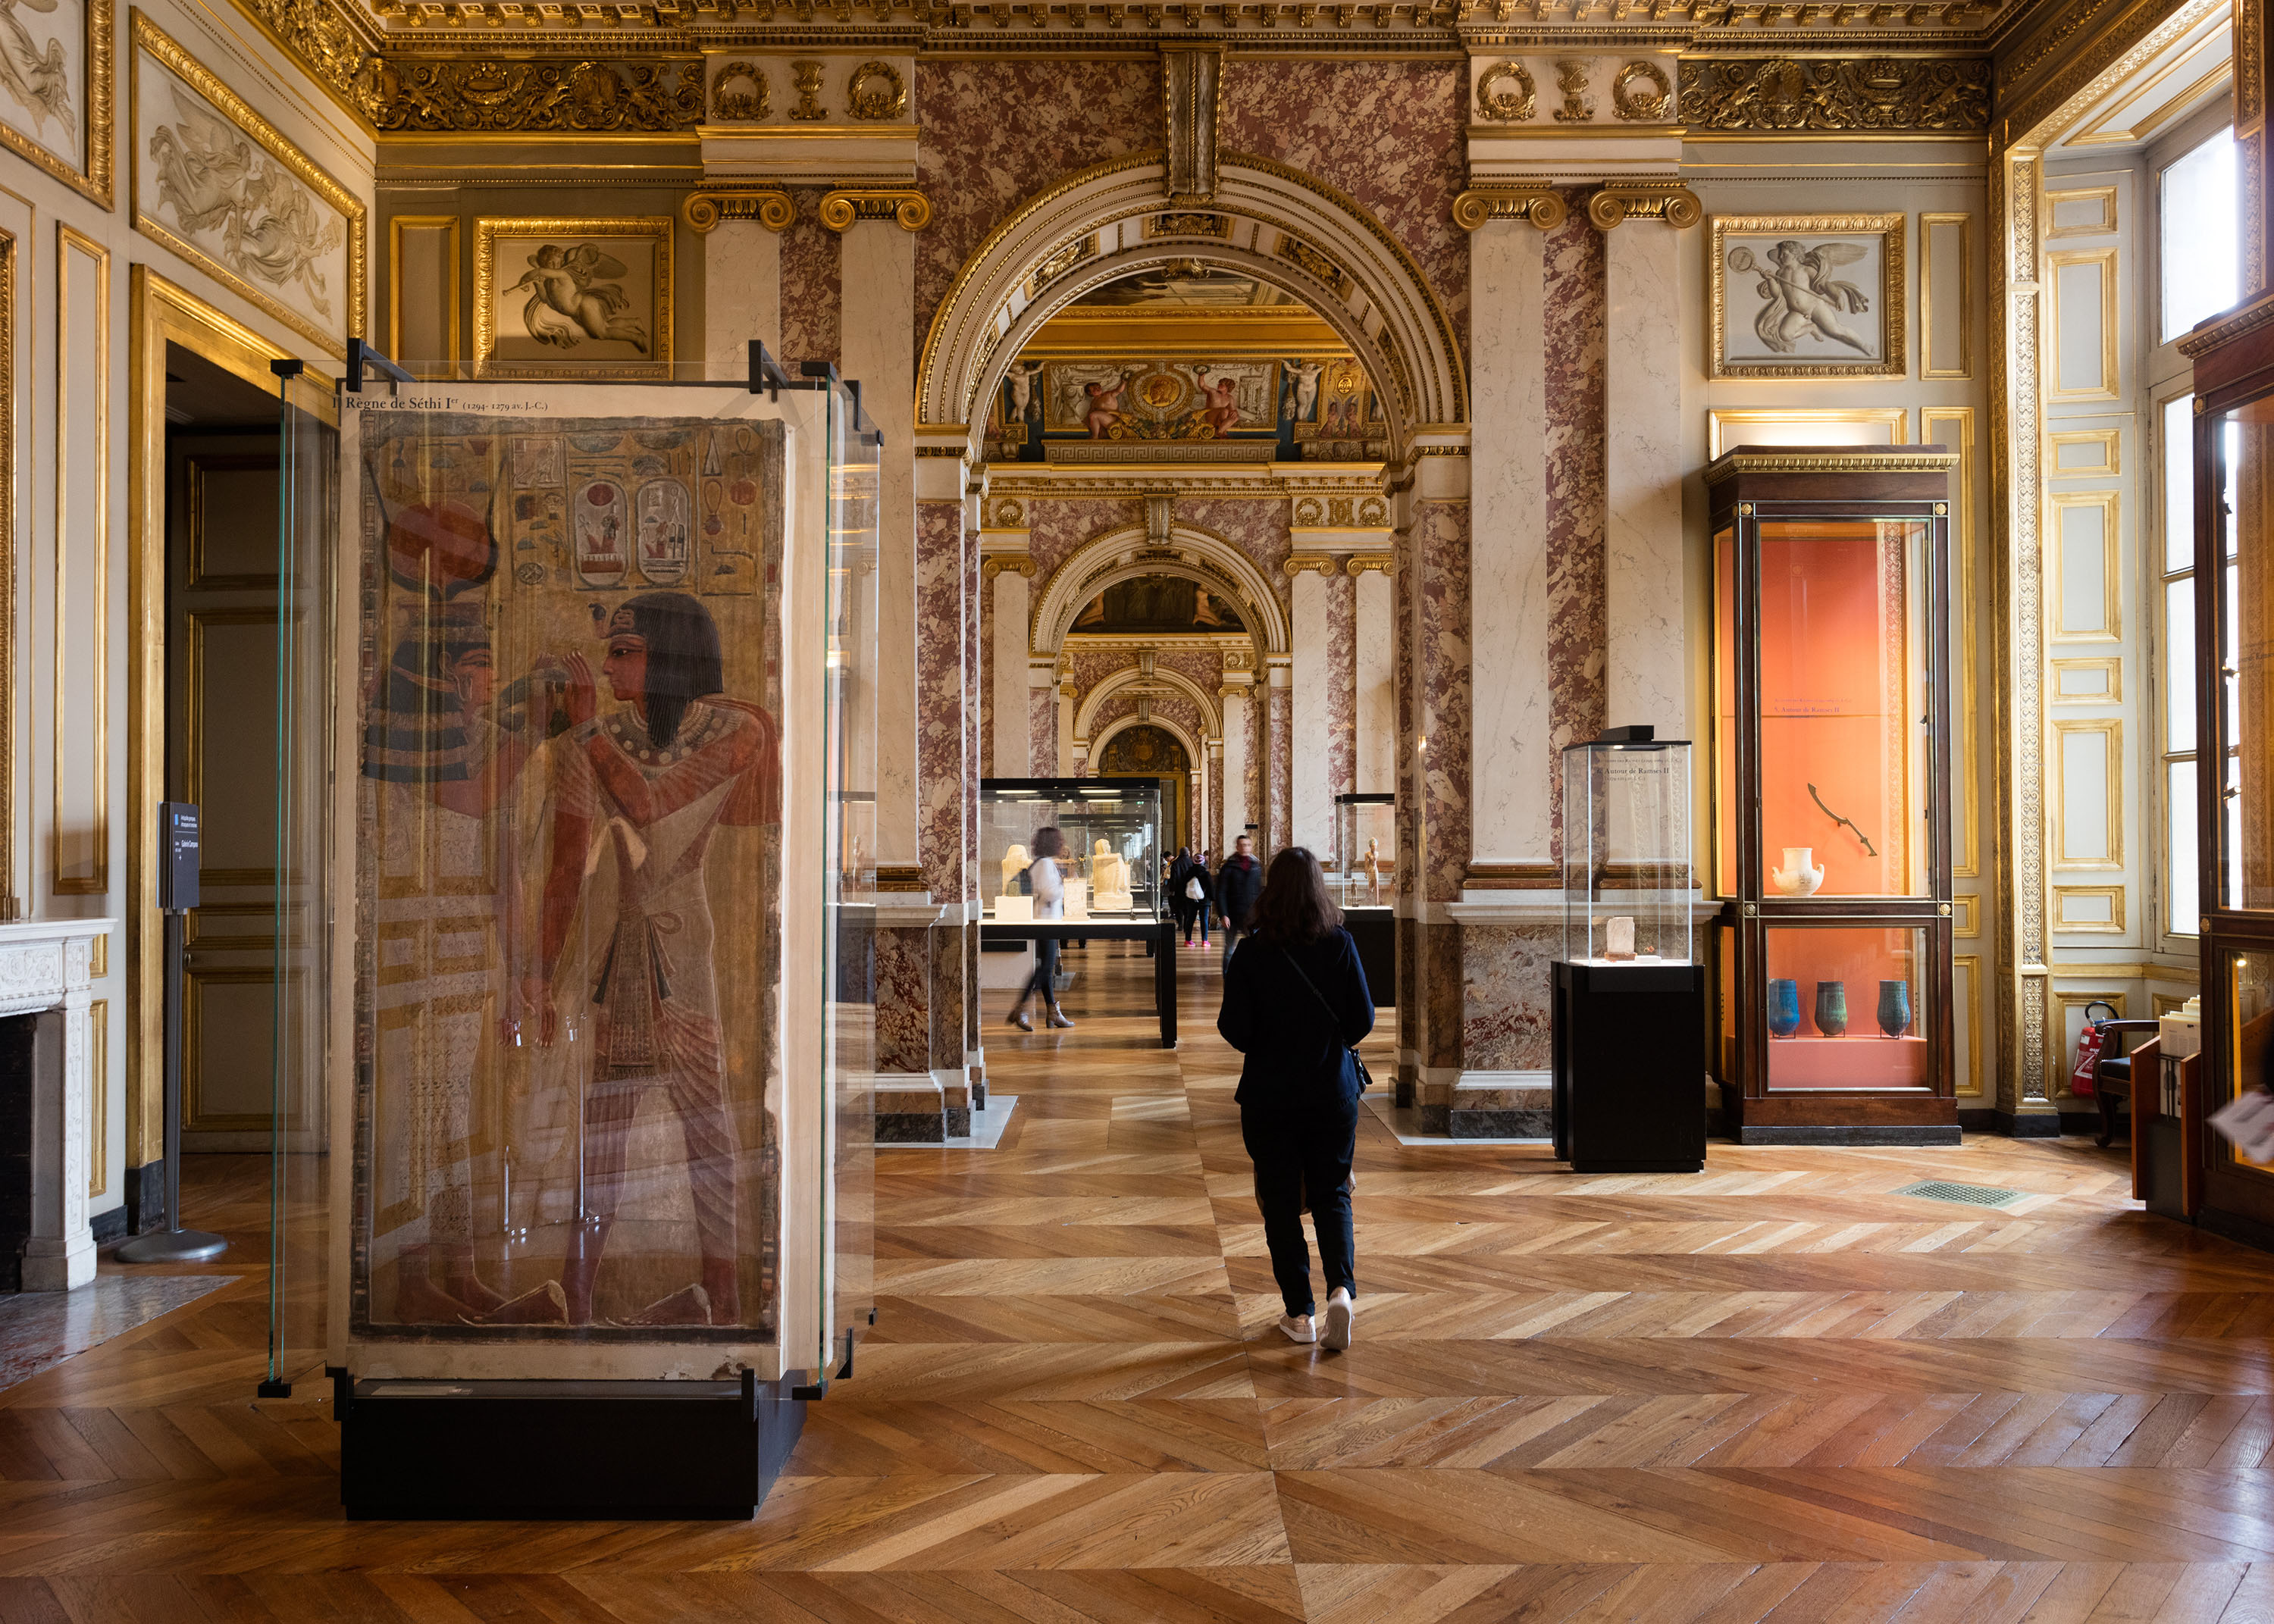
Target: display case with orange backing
1831, 823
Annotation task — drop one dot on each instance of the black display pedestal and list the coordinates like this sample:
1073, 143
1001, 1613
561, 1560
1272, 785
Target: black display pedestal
1374, 930
1628, 1067
610, 1451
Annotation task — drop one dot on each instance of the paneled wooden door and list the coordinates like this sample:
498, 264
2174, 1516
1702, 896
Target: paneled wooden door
220, 651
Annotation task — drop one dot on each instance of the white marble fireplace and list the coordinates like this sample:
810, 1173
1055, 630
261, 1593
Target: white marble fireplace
44, 974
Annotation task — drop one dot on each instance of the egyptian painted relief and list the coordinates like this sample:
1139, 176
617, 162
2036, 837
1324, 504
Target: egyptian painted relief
568, 848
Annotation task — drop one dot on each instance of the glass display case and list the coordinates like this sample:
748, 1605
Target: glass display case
1627, 1036
1830, 813
596, 814
1112, 832
2234, 747
1627, 881
1365, 873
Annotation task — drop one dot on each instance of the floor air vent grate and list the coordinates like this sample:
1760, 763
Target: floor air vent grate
1965, 1195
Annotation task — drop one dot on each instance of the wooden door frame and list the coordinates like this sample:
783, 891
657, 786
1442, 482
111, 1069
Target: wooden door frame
161, 312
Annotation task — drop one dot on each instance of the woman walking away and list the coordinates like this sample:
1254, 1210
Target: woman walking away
1200, 898
1295, 1004
1049, 902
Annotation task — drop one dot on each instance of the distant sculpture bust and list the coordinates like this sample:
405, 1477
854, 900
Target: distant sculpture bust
1014, 864
1109, 877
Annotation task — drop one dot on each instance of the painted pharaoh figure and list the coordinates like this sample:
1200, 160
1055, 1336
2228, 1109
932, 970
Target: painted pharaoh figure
571, 1117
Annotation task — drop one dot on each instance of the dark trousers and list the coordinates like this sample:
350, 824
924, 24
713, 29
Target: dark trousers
1040, 984
1299, 1149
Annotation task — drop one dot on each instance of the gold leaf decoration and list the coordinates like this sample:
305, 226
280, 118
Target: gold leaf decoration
536, 95
1783, 94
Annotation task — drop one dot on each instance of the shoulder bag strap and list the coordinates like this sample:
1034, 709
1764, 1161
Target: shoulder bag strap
1365, 1076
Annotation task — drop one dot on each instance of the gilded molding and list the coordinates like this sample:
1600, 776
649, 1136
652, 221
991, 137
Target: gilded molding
872, 103
1325, 563
1644, 200
2249, 319
905, 206
704, 210
1192, 111
1649, 106
1783, 96
1507, 106
1543, 205
729, 105
1571, 80
96, 122
578, 97
806, 75
990, 568
1358, 563
1860, 460
147, 36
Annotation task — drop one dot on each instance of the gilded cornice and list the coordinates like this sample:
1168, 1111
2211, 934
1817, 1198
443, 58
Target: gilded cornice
496, 66
1785, 95
2047, 69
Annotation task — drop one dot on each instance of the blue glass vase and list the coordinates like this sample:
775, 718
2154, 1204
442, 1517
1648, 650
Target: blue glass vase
1784, 1008
1832, 1007
1894, 1008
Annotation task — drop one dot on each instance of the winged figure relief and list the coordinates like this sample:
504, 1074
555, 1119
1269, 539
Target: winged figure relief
215, 178
572, 297
39, 80
1800, 296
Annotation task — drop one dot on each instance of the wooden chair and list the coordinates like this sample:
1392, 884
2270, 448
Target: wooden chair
2111, 1076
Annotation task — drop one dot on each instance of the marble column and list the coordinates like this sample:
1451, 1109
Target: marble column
741, 296
878, 279
1214, 832
1645, 668
1278, 755
1311, 707
1510, 753
1041, 718
1238, 753
1373, 662
943, 752
1439, 550
1007, 690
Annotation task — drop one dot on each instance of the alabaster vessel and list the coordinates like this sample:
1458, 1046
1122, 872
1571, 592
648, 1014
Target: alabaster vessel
1798, 877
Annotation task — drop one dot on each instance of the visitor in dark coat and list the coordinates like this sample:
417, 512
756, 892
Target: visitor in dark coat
1237, 884
1295, 1002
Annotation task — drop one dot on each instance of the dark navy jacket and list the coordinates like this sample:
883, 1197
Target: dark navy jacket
1297, 1049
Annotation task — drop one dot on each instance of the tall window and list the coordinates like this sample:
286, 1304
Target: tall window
2176, 665
2200, 261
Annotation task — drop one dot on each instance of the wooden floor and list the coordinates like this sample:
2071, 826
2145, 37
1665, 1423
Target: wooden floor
1770, 1391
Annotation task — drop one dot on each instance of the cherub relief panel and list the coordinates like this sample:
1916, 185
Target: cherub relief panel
1808, 296
572, 297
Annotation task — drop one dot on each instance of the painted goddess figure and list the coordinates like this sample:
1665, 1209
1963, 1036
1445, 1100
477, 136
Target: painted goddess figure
655, 777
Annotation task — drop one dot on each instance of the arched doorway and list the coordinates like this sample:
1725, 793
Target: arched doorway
1144, 750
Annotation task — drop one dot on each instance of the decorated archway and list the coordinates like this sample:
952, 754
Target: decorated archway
1194, 554
1262, 219
1144, 746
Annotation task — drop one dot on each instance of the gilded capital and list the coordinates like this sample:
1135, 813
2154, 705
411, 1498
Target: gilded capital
704, 210
905, 206
1543, 205
1644, 200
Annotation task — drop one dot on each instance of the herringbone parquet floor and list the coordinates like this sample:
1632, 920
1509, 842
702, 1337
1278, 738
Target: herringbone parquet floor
1772, 1391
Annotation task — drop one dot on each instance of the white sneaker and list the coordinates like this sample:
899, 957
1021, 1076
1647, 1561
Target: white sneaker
1340, 1310
1297, 1328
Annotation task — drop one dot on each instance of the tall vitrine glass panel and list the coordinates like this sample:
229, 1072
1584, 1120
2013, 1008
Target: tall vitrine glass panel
1363, 872
1627, 881
1109, 830
1831, 770
604, 659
